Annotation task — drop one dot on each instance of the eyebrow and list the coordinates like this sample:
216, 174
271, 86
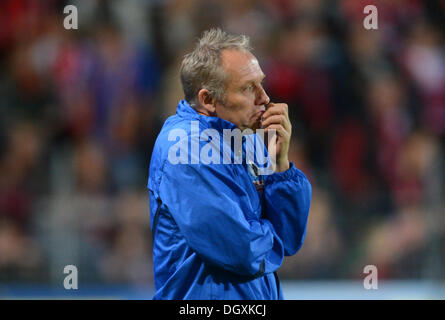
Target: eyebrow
254, 80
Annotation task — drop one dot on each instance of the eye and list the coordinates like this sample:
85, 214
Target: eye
262, 82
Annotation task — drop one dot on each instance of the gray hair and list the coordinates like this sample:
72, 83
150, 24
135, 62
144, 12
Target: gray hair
202, 68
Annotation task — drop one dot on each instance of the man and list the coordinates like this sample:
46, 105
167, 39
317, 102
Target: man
221, 230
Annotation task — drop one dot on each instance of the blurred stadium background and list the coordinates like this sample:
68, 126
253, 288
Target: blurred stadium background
80, 110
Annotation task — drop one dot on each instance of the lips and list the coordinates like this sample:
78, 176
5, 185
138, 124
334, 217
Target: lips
257, 116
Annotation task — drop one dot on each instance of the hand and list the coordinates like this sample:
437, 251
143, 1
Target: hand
276, 117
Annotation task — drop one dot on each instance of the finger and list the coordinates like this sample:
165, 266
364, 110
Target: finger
277, 119
274, 109
281, 132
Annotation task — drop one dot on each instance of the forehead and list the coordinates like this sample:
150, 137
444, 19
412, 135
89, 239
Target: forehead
241, 66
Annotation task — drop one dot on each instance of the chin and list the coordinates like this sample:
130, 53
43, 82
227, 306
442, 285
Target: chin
254, 129
256, 126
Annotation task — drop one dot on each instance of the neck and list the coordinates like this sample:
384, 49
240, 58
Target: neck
201, 110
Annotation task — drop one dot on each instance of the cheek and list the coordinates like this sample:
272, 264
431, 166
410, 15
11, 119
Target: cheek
247, 101
242, 107
239, 104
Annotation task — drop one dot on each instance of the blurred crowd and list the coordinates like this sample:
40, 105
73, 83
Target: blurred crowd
80, 111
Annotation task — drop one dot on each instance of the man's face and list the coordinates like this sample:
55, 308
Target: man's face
245, 97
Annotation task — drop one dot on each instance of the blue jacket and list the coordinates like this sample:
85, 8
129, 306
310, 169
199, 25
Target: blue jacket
219, 230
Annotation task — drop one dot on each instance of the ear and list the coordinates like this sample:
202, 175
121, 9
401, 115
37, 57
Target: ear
206, 101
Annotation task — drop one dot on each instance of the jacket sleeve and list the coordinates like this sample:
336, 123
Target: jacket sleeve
287, 201
216, 218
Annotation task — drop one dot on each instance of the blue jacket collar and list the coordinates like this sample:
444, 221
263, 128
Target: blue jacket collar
186, 111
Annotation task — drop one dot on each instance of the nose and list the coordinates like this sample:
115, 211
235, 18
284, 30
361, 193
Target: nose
262, 98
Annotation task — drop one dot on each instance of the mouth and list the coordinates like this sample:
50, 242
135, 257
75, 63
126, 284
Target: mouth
258, 115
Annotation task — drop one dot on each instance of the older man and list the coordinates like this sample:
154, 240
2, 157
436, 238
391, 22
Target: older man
222, 228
